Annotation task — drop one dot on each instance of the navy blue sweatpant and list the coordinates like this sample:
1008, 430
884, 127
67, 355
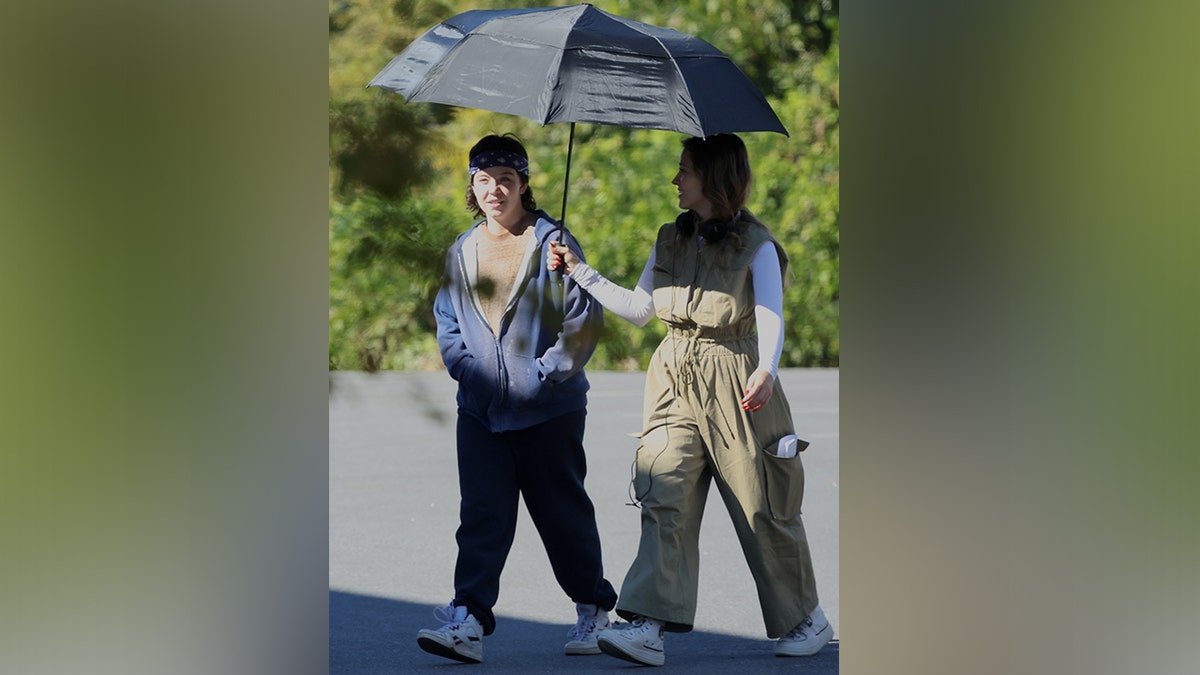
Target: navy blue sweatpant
546, 465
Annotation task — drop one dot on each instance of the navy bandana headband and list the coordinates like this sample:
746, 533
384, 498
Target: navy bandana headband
494, 158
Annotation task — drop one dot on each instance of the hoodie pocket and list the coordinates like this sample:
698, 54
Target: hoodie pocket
783, 480
476, 388
524, 381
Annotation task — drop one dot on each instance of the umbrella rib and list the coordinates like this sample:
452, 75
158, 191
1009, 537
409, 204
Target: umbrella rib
675, 65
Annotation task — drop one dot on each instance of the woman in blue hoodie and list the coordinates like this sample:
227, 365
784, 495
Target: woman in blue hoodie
516, 339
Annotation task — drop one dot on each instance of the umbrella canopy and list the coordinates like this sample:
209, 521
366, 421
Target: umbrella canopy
579, 64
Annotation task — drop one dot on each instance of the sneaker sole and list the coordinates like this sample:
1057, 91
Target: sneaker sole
581, 650
652, 659
434, 647
823, 639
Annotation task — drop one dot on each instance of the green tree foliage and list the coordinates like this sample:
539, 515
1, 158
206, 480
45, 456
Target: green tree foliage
398, 178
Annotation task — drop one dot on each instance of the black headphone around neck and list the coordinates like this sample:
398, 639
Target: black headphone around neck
713, 229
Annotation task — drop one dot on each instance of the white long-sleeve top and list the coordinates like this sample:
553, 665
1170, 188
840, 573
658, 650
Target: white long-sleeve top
637, 306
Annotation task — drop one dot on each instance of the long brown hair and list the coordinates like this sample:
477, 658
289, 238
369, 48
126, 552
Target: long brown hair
724, 168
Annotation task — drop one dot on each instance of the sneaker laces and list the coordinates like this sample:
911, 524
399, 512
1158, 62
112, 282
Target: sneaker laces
585, 625
798, 631
638, 623
449, 616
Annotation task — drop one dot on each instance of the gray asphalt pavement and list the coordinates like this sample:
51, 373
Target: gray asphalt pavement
393, 510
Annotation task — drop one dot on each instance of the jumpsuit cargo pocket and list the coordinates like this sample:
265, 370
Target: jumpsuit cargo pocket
783, 481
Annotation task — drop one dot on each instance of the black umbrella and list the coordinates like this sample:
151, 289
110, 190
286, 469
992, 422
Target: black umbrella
579, 64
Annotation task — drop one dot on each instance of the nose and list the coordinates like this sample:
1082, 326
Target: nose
675, 180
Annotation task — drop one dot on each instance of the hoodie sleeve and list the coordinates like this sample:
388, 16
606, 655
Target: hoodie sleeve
455, 355
583, 320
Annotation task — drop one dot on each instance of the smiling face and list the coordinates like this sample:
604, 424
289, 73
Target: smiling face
498, 192
691, 187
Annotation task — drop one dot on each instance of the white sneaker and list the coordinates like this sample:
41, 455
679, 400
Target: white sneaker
460, 638
583, 634
638, 642
806, 639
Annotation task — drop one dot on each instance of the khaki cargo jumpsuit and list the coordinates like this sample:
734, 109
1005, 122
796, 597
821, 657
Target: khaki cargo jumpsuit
695, 430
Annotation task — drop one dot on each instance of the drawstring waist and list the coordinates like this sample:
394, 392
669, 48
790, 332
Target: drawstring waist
696, 338
710, 333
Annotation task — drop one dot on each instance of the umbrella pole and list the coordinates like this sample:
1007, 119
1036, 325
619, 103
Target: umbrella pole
562, 221
566, 181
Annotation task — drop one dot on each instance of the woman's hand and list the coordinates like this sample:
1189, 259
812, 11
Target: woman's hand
557, 254
758, 391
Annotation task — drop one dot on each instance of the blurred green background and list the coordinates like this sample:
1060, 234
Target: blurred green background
397, 177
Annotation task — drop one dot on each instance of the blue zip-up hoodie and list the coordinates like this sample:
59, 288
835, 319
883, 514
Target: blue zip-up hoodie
533, 371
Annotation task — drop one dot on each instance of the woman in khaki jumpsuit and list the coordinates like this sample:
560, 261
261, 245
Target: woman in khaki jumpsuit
713, 412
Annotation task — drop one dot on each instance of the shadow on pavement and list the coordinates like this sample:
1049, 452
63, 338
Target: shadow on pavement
370, 635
